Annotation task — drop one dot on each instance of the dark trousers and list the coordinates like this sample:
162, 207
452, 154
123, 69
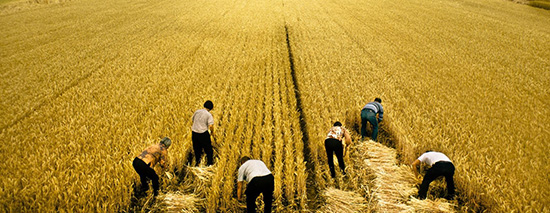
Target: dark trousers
264, 185
440, 168
201, 141
146, 172
334, 146
368, 115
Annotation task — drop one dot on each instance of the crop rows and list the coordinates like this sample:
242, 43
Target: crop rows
81, 97
77, 142
451, 79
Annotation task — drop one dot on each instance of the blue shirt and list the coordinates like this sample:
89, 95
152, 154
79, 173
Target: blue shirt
377, 108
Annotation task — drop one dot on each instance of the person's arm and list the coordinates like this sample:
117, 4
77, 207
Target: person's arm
345, 151
415, 165
347, 137
211, 127
381, 113
239, 189
163, 159
347, 141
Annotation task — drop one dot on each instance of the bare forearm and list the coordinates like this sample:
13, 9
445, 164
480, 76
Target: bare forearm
211, 127
239, 189
415, 165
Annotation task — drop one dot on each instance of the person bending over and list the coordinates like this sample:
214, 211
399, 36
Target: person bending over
146, 161
441, 165
334, 145
260, 181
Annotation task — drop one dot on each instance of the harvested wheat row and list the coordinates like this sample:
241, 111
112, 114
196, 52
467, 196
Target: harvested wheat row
395, 184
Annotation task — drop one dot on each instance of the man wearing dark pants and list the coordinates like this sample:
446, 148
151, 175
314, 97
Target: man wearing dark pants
368, 114
441, 165
334, 145
260, 180
144, 163
202, 122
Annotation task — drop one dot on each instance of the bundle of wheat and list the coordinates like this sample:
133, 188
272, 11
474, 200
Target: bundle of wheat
438, 205
342, 201
198, 180
176, 202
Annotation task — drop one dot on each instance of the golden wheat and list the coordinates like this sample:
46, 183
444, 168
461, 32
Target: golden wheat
450, 78
85, 86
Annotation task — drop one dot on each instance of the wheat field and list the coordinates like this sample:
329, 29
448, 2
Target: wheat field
85, 86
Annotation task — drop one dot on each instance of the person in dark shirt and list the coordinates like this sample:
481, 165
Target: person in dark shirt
146, 161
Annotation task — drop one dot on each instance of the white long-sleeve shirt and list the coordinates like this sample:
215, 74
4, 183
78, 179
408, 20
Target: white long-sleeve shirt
431, 158
251, 169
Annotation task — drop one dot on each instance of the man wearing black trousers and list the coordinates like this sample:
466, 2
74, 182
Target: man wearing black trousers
334, 144
202, 122
144, 163
260, 180
441, 165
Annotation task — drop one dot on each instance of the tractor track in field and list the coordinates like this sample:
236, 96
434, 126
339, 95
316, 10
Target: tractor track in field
312, 189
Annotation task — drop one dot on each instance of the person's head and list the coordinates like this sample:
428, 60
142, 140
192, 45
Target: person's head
244, 159
166, 142
208, 105
378, 100
337, 123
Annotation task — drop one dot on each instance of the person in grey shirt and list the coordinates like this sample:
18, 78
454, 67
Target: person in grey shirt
260, 181
368, 114
202, 122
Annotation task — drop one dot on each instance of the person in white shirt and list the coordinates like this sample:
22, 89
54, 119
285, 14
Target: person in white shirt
441, 165
260, 180
202, 122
